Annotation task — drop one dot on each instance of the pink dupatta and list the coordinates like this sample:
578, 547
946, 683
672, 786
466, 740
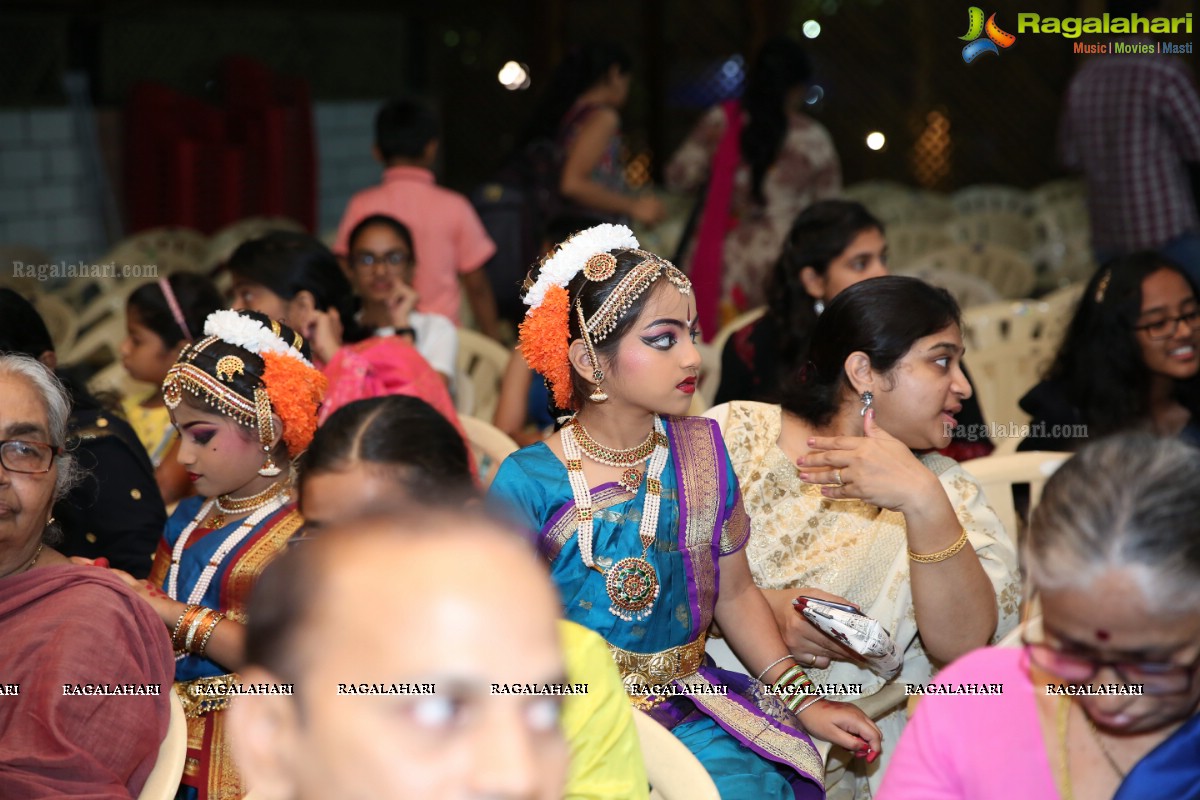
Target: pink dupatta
715, 223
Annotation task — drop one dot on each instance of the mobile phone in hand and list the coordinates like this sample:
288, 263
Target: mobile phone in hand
800, 602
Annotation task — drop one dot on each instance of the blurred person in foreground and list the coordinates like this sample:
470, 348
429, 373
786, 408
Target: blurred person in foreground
436, 581
1102, 700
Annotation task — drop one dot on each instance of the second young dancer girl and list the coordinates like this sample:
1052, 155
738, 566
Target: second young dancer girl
650, 555
244, 399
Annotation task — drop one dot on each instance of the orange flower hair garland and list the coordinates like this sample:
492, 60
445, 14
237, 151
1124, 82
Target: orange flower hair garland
295, 391
545, 337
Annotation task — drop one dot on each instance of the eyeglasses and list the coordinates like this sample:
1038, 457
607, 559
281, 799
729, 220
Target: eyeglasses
27, 457
1156, 678
393, 259
1165, 328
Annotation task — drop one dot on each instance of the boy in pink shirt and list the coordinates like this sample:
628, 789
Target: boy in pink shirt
449, 239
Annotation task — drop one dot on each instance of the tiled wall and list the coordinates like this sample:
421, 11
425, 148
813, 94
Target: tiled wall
44, 199
45, 202
345, 132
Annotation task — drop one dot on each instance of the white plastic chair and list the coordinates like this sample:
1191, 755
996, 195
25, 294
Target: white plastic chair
489, 444
967, 290
1002, 373
61, 320
710, 354
1005, 228
674, 773
1008, 270
908, 241
222, 243
100, 345
163, 781
989, 197
998, 473
479, 370
170, 248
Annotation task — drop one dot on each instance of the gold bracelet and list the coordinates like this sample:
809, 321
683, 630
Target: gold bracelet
940, 555
185, 619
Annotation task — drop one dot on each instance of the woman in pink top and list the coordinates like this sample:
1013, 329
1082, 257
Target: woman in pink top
1102, 700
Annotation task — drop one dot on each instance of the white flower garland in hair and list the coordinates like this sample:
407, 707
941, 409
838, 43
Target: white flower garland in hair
232, 327
571, 255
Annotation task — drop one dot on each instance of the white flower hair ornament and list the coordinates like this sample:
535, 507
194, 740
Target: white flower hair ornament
571, 256
243, 331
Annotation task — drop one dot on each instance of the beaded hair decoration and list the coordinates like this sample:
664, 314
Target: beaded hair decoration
545, 331
290, 386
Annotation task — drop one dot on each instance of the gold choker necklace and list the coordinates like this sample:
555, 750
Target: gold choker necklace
239, 506
629, 458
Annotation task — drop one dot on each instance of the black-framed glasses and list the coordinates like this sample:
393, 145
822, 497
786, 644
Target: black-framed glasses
1166, 327
392, 259
31, 458
1156, 678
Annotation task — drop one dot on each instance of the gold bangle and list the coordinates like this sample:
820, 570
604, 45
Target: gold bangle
181, 627
213, 621
940, 555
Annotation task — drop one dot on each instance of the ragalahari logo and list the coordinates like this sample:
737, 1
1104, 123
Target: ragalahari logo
995, 40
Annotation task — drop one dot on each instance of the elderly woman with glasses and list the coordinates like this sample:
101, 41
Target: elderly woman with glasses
83, 660
1102, 700
1129, 360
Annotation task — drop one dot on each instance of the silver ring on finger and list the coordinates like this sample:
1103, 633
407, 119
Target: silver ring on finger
837, 476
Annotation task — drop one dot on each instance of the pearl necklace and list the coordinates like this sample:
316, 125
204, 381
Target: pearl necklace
632, 583
231, 541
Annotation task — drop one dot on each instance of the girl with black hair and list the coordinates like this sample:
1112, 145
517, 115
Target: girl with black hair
244, 398
832, 244
764, 162
908, 539
580, 113
161, 318
638, 511
1129, 359
381, 261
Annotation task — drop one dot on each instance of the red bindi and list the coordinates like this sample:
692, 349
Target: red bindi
1102, 635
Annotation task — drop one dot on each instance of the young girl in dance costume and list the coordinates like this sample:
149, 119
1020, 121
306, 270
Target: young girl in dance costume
650, 555
244, 399
161, 318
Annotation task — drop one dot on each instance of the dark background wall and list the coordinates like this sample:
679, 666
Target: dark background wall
883, 65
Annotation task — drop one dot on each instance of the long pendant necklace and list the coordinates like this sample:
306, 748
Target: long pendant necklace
631, 583
231, 541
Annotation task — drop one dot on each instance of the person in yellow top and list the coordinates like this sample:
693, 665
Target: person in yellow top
160, 319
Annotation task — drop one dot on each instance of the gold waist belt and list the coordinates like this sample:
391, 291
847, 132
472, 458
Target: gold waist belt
646, 669
202, 695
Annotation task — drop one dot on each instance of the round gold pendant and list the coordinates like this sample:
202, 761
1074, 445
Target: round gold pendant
632, 586
630, 479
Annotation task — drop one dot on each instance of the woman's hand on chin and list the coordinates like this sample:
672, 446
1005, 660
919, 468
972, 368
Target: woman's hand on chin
876, 468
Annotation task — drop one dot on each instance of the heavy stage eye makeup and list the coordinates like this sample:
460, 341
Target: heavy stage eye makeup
666, 339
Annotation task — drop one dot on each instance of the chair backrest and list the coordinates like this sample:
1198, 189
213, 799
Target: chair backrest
989, 197
710, 354
1002, 373
60, 319
994, 227
163, 782
170, 249
480, 367
908, 241
967, 290
1057, 190
920, 207
1008, 270
100, 345
674, 773
222, 243
489, 444
998, 474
